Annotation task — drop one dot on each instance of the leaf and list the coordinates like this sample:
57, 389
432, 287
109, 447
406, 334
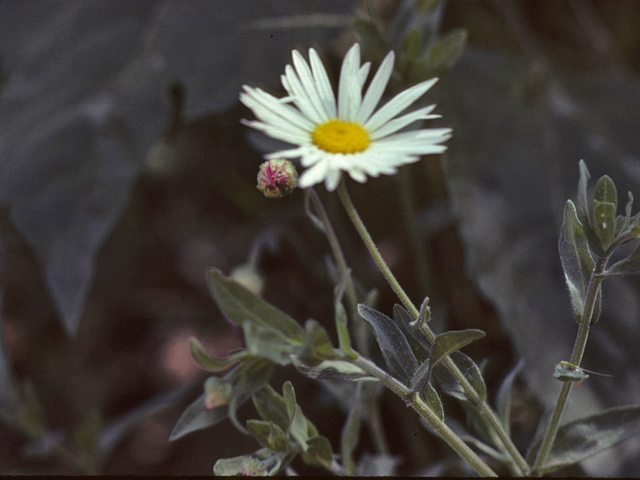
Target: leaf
445, 52
319, 452
432, 399
317, 347
576, 259
240, 305
246, 465
448, 342
503, 397
333, 370
297, 421
421, 377
342, 328
206, 361
266, 343
626, 266
271, 406
246, 378
582, 210
395, 348
268, 434
415, 336
351, 433
587, 436
605, 207
469, 369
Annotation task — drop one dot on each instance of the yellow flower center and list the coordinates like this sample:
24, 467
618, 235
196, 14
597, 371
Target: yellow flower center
337, 136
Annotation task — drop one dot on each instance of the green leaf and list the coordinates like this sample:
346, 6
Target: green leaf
271, 406
317, 344
626, 266
332, 370
351, 433
246, 378
605, 207
240, 305
411, 45
582, 207
503, 397
267, 343
197, 417
449, 342
208, 362
432, 399
268, 434
469, 369
587, 436
342, 328
297, 421
319, 453
445, 52
247, 465
421, 377
395, 348
576, 259
414, 334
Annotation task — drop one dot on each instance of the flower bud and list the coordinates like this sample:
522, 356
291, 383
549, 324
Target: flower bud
277, 178
217, 393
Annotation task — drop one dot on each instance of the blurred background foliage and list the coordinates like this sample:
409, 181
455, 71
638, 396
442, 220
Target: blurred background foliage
125, 173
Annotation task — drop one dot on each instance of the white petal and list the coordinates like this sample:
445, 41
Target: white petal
313, 175
398, 104
376, 88
348, 85
325, 91
308, 82
332, 179
401, 122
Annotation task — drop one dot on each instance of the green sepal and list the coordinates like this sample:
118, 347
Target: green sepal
241, 305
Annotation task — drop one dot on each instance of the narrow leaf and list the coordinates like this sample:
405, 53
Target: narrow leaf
627, 266
197, 417
249, 377
432, 399
503, 397
208, 362
351, 433
469, 369
341, 316
587, 436
395, 348
575, 257
271, 406
332, 370
582, 206
269, 434
297, 421
240, 305
421, 377
605, 206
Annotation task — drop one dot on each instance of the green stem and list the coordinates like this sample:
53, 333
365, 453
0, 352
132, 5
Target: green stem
576, 358
414, 400
492, 418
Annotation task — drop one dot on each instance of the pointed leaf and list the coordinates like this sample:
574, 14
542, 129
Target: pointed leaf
333, 370
266, 342
351, 433
319, 452
446, 51
416, 337
240, 305
197, 417
395, 348
271, 406
575, 257
341, 316
269, 434
297, 421
503, 397
587, 436
605, 207
627, 266
449, 342
206, 361
421, 377
582, 207
317, 345
251, 375
469, 369
432, 399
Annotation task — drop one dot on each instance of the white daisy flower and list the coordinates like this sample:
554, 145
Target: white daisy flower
344, 136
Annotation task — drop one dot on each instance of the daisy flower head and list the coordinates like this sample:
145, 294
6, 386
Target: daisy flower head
347, 134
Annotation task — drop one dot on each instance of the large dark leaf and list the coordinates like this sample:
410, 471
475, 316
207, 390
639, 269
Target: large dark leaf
396, 351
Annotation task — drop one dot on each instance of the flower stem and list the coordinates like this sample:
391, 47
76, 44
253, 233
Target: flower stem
492, 418
414, 400
576, 358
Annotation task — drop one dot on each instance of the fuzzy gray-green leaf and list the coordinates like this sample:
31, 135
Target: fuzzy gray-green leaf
240, 305
575, 257
395, 348
469, 369
605, 206
208, 362
626, 266
503, 397
271, 406
587, 436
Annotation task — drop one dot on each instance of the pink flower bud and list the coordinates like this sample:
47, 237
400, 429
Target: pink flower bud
277, 178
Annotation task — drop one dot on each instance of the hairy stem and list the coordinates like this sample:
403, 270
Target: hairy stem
576, 358
492, 418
